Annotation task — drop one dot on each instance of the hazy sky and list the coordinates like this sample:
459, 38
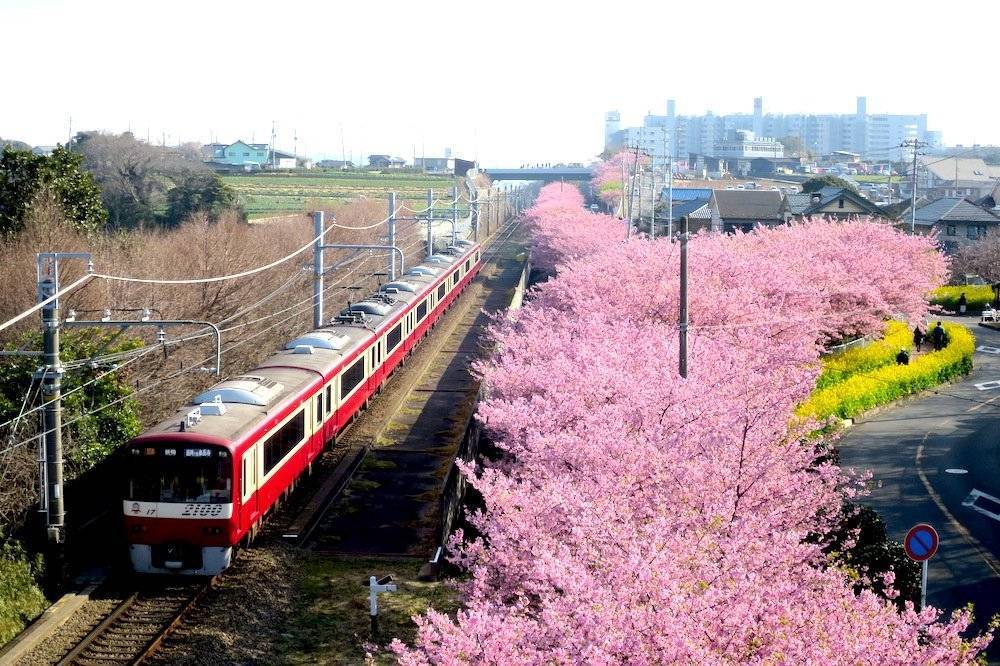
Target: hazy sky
509, 82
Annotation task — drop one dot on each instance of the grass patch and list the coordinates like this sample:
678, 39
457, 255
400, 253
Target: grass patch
977, 295
374, 463
266, 194
330, 622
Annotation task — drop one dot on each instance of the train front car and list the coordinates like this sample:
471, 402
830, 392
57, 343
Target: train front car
178, 507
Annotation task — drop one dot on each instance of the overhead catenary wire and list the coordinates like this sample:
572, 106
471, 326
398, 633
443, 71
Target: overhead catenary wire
195, 366
130, 356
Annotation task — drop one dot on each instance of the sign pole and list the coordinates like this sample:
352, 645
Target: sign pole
923, 585
921, 543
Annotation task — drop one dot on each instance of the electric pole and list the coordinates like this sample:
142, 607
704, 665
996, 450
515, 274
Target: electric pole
683, 328
430, 222
915, 144
50, 377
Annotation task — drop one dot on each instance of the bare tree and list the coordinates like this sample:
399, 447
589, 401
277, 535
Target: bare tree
135, 176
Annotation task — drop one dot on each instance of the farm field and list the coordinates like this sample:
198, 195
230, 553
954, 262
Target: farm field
266, 194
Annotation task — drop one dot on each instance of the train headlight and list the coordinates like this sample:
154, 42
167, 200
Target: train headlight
212, 530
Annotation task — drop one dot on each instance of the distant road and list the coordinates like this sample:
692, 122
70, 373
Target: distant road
909, 449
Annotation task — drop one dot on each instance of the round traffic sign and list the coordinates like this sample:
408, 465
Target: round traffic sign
921, 542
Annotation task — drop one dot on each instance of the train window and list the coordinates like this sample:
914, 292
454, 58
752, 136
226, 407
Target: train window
441, 291
394, 337
329, 397
281, 442
422, 310
468, 265
319, 408
351, 377
477, 255
201, 474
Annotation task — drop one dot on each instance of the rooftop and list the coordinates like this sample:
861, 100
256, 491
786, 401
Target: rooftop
749, 204
953, 209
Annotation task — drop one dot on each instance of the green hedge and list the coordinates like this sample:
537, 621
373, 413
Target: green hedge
20, 599
977, 295
838, 367
881, 386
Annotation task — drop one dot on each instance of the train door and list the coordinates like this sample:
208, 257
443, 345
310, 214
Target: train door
329, 424
249, 476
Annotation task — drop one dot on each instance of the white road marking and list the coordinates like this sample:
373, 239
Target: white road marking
956, 470
986, 349
986, 386
977, 495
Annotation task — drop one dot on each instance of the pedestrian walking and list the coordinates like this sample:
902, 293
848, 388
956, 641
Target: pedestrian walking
903, 357
937, 336
918, 337
962, 303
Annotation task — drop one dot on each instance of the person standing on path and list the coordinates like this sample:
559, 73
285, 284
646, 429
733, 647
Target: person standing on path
918, 337
937, 336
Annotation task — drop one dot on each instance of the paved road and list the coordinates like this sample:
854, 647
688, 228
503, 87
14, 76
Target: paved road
910, 449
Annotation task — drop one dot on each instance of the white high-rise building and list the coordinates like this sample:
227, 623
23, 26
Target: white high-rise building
875, 137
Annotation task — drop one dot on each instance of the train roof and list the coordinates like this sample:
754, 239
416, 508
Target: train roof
277, 385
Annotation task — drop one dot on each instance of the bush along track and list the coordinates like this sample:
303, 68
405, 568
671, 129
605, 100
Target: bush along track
867, 390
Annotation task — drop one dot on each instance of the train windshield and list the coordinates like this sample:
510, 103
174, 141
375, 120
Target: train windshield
187, 474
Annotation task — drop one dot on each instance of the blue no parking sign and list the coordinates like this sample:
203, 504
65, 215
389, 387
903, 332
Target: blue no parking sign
921, 542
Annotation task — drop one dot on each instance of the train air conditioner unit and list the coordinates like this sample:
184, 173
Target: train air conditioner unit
399, 285
320, 340
427, 271
244, 390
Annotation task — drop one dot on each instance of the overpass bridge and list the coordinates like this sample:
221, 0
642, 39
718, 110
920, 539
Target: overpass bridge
545, 174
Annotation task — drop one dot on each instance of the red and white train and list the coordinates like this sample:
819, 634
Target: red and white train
202, 481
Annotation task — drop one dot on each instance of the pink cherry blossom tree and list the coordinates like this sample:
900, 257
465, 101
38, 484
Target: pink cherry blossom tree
607, 180
637, 517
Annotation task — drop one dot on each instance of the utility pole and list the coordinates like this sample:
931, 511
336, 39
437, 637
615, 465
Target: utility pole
274, 158
916, 144
392, 235
631, 191
475, 215
430, 222
50, 378
683, 328
622, 203
454, 215
670, 193
652, 205
639, 217
318, 269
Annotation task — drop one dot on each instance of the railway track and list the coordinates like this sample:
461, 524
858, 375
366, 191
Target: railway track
138, 625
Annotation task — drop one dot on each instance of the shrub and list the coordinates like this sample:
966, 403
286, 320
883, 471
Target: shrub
840, 366
977, 295
883, 385
20, 598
